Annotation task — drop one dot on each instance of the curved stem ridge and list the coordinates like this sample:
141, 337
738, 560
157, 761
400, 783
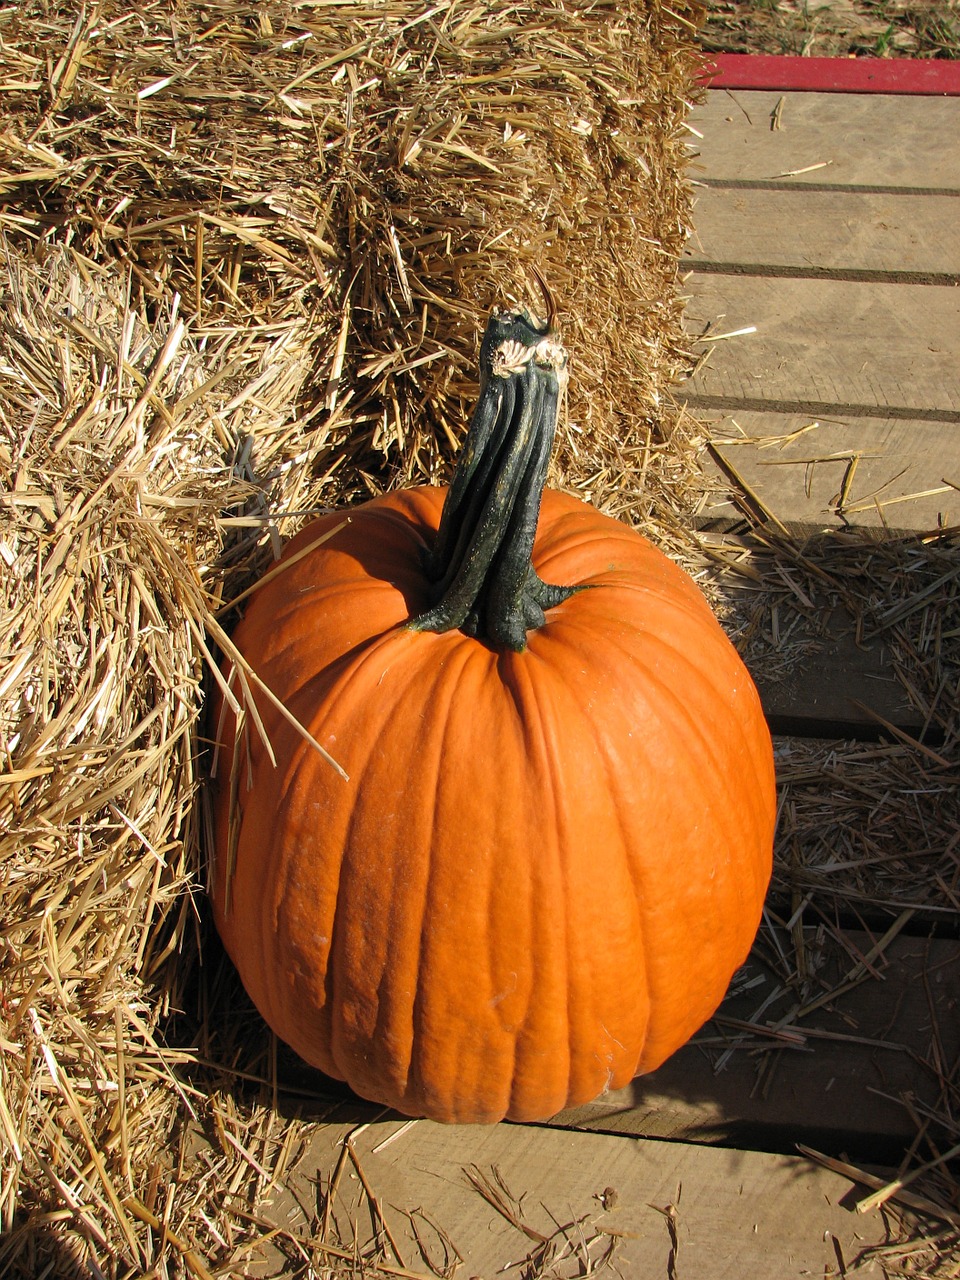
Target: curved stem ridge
481, 563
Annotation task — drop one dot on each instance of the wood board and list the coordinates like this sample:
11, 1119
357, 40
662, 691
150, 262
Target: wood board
840, 410
734, 1213
818, 472
827, 347
834, 140
841, 687
885, 236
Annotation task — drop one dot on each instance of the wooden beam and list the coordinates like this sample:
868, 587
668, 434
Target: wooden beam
923, 76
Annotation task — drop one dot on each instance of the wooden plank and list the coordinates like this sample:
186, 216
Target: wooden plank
869, 140
827, 346
826, 473
788, 73
872, 362
841, 687
828, 1077
854, 235
735, 1213
834, 1094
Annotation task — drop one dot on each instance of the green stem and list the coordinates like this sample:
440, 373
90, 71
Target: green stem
480, 565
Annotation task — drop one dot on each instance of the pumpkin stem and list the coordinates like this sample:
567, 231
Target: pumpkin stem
480, 565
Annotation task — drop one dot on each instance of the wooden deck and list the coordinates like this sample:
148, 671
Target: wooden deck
829, 227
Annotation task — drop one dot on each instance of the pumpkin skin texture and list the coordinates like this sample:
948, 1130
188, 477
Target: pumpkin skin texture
545, 866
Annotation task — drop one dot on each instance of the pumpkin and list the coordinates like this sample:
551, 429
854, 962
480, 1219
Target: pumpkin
548, 846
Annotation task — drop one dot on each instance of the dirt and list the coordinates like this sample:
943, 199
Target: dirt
839, 28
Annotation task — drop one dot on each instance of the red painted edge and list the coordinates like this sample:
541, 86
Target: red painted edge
932, 76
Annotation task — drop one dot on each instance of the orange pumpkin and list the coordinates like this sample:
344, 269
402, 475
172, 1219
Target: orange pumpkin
552, 847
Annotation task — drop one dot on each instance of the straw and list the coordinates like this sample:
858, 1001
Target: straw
247, 259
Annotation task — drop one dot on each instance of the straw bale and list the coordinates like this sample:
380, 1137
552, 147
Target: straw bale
122, 445
247, 251
407, 166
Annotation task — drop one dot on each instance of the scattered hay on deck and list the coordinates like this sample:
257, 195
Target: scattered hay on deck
868, 840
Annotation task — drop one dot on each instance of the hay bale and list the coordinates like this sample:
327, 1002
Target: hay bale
245, 268
116, 505
397, 168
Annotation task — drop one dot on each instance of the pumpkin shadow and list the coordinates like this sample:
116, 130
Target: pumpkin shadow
725, 1088
36, 1246
394, 552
